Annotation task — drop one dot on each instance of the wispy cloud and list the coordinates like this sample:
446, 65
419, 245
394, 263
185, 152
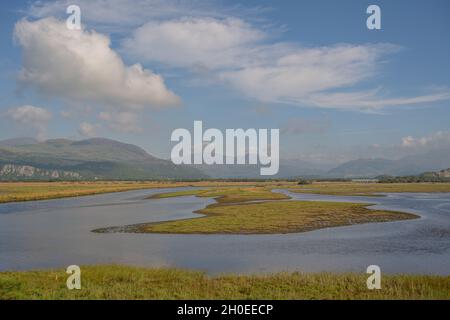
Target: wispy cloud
244, 56
194, 42
371, 101
123, 15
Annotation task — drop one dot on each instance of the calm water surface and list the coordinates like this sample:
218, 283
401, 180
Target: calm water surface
57, 233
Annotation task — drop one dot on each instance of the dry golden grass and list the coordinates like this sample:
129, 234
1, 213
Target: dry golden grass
27, 191
368, 189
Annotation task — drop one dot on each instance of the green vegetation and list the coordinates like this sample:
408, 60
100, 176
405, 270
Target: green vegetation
368, 189
120, 282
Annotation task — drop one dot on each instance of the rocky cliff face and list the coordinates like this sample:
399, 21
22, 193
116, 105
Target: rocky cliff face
24, 171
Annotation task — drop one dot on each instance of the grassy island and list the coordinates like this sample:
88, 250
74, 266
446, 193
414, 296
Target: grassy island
243, 211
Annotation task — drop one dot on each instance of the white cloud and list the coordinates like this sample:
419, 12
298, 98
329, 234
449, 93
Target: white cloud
436, 140
87, 129
81, 66
127, 122
298, 75
221, 43
31, 117
371, 100
235, 52
194, 42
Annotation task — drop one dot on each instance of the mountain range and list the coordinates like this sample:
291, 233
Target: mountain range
96, 158
100, 158
433, 160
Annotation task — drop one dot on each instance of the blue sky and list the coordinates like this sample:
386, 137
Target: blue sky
336, 90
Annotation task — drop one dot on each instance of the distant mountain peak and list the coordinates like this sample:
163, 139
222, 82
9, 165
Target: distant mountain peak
409, 165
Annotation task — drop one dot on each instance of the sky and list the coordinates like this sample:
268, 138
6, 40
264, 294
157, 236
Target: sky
140, 69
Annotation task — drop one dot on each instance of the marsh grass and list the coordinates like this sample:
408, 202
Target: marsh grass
122, 282
368, 189
229, 194
274, 217
29, 191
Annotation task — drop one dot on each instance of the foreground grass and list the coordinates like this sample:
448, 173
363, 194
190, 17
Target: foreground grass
120, 282
368, 189
27, 191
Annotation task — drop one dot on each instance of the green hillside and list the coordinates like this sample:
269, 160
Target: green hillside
97, 158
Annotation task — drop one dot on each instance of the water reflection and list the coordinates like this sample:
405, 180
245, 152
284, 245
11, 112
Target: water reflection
57, 233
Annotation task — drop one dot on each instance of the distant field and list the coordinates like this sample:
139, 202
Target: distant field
27, 191
236, 213
120, 282
364, 189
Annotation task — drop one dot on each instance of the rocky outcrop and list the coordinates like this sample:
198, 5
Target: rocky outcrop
24, 171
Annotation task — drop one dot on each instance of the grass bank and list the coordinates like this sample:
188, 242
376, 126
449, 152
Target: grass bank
368, 189
120, 282
234, 214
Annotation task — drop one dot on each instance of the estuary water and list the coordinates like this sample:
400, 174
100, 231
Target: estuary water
57, 233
